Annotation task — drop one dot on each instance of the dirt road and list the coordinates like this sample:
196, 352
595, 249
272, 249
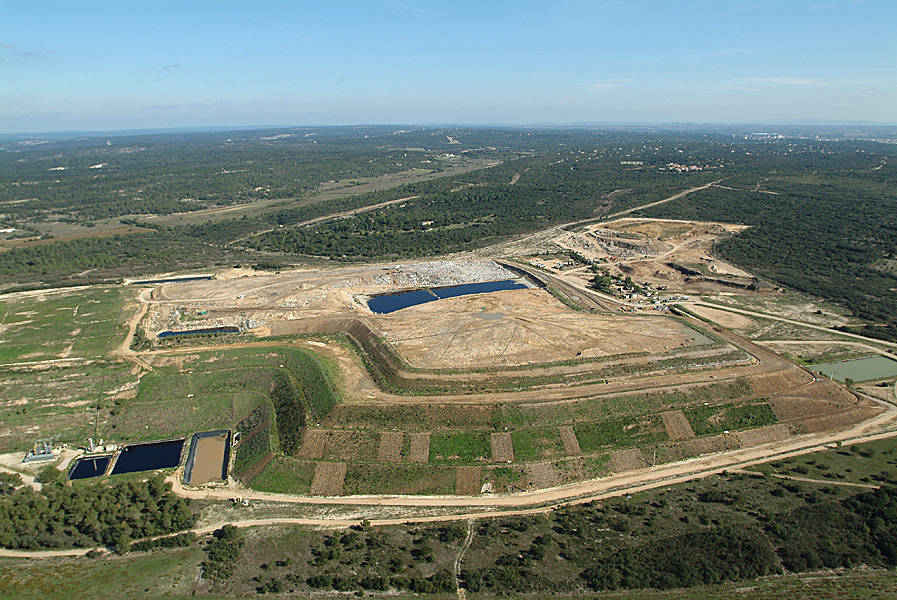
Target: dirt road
525, 503
673, 197
29, 480
884, 425
760, 315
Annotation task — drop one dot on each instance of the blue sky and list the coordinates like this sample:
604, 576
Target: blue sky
103, 65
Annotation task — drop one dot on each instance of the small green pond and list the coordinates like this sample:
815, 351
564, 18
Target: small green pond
859, 369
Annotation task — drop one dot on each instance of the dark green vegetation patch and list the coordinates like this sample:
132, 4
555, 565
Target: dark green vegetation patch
711, 420
822, 233
91, 514
627, 431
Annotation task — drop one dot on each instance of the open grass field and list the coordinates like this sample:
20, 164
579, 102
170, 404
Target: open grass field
58, 400
461, 447
285, 476
82, 323
170, 573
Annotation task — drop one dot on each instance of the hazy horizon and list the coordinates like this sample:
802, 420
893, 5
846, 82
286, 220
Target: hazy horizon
111, 67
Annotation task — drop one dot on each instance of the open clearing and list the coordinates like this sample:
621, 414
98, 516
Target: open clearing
512, 378
499, 393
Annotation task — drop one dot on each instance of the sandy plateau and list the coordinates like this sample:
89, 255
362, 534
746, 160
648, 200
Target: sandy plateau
520, 327
509, 328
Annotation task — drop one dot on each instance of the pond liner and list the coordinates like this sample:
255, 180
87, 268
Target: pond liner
85, 467
388, 303
166, 334
148, 456
173, 280
191, 454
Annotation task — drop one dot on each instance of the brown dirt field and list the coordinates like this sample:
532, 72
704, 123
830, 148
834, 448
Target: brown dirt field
787, 408
628, 460
763, 435
518, 327
329, 479
166, 361
543, 475
769, 383
568, 437
825, 388
419, 451
677, 425
841, 420
723, 318
350, 445
390, 447
502, 448
313, 442
468, 481
696, 447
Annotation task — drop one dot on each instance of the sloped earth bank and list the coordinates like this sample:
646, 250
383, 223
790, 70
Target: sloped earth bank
513, 376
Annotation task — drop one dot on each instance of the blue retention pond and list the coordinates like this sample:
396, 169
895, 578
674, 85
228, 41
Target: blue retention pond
174, 280
149, 457
90, 466
392, 302
166, 334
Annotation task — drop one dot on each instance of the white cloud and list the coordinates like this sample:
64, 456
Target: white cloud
791, 81
606, 84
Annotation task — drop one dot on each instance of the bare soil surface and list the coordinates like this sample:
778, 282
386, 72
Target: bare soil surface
789, 408
390, 447
724, 318
328, 480
502, 448
677, 425
543, 475
568, 438
763, 435
468, 481
419, 451
313, 442
628, 460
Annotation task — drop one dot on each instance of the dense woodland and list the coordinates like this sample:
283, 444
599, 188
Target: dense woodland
86, 515
825, 234
732, 528
165, 174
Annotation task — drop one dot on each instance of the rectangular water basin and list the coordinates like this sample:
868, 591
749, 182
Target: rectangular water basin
859, 369
208, 457
90, 466
149, 457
